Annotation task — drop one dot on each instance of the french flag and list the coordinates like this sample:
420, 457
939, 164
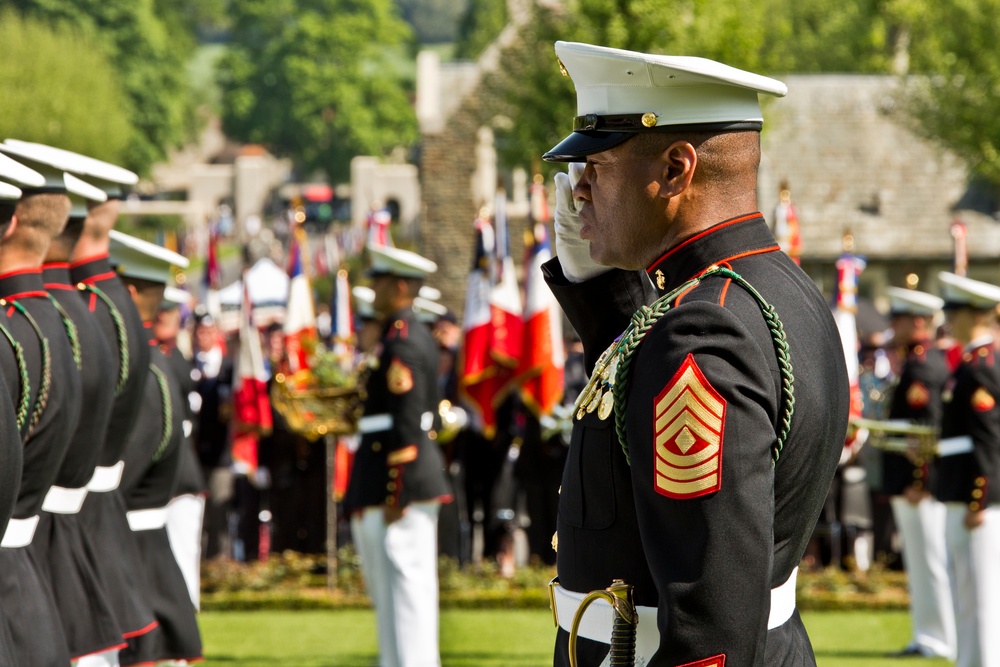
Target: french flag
300, 314
543, 356
251, 403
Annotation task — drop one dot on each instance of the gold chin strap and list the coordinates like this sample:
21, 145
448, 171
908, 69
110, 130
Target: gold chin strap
619, 596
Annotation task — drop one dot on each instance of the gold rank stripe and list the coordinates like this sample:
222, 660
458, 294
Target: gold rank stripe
688, 410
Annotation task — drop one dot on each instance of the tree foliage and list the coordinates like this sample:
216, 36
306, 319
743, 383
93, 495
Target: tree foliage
482, 22
768, 36
59, 89
314, 80
433, 21
148, 53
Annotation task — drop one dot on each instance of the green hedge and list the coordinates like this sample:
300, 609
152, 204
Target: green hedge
297, 581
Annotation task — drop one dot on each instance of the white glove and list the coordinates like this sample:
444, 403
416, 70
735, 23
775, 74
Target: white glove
573, 252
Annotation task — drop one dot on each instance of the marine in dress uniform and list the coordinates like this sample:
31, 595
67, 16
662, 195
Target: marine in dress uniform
109, 302
13, 420
905, 479
708, 512
398, 480
186, 509
969, 470
152, 462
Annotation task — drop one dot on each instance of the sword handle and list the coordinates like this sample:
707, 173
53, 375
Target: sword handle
623, 632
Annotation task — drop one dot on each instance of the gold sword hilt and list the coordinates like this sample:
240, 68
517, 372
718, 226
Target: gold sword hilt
619, 596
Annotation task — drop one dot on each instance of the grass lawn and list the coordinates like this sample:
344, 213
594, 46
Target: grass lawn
488, 638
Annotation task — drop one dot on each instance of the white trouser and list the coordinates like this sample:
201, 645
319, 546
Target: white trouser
925, 556
399, 564
105, 659
974, 568
184, 517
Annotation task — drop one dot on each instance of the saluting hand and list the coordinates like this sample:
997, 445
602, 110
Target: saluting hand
573, 251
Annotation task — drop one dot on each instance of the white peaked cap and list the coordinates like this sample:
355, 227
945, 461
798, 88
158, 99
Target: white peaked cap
9, 192
427, 310
620, 93
386, 260
113, 179
144, 260
174, 296
911, 302
12, 170
364, 300
430, 293
53, 168
961, 291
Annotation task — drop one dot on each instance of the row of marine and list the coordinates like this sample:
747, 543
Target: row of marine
91, 427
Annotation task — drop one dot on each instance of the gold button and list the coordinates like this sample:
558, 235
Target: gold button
918, 485
391, 486
918, 461
376, 446
966, 357
398, 324
980, 481
983, 352
974, 506
919, 349
977, 493
918, 473
389, 500
393, 473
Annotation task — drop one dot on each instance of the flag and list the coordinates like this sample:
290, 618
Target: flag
506, 310
538, 200
342, 321
379, 220
543, 357
251, 404
961, 250
476, 368
786, 226
849, 268
300, 315
213, 276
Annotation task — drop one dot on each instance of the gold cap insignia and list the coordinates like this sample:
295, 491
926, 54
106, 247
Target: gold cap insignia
399, 377
689, 419
649, 119
661, 280
562, 68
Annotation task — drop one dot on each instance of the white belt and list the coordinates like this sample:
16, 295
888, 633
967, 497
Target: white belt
106, 478
375, 423
60, 500
147, 519
19, 533
961, 444
597, 621
384, 422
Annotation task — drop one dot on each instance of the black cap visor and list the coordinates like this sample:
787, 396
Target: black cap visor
578, 145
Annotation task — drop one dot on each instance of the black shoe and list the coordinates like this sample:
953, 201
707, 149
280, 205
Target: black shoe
913, 651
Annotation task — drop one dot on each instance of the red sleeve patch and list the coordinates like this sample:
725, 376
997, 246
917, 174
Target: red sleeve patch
399, 377
982, 400
714, 661
918, 396
688, 421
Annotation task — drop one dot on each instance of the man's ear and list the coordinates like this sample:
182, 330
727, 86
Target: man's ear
132, 290
10, 226
679, 161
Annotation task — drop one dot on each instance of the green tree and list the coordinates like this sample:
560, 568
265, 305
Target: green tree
482, 22
315, 80
60, 90
534, 104
149, 55
954, 54
433, 21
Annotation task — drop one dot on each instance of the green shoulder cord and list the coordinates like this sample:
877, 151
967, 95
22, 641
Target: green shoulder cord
42, 400
644, 319
24, 400
120, 332
168, 412
71, 332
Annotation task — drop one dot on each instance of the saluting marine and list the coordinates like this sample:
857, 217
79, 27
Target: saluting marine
969, 470
398, 479
706, 440
152, 461
906, 477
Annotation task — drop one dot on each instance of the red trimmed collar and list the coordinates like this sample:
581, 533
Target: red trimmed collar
727, 241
